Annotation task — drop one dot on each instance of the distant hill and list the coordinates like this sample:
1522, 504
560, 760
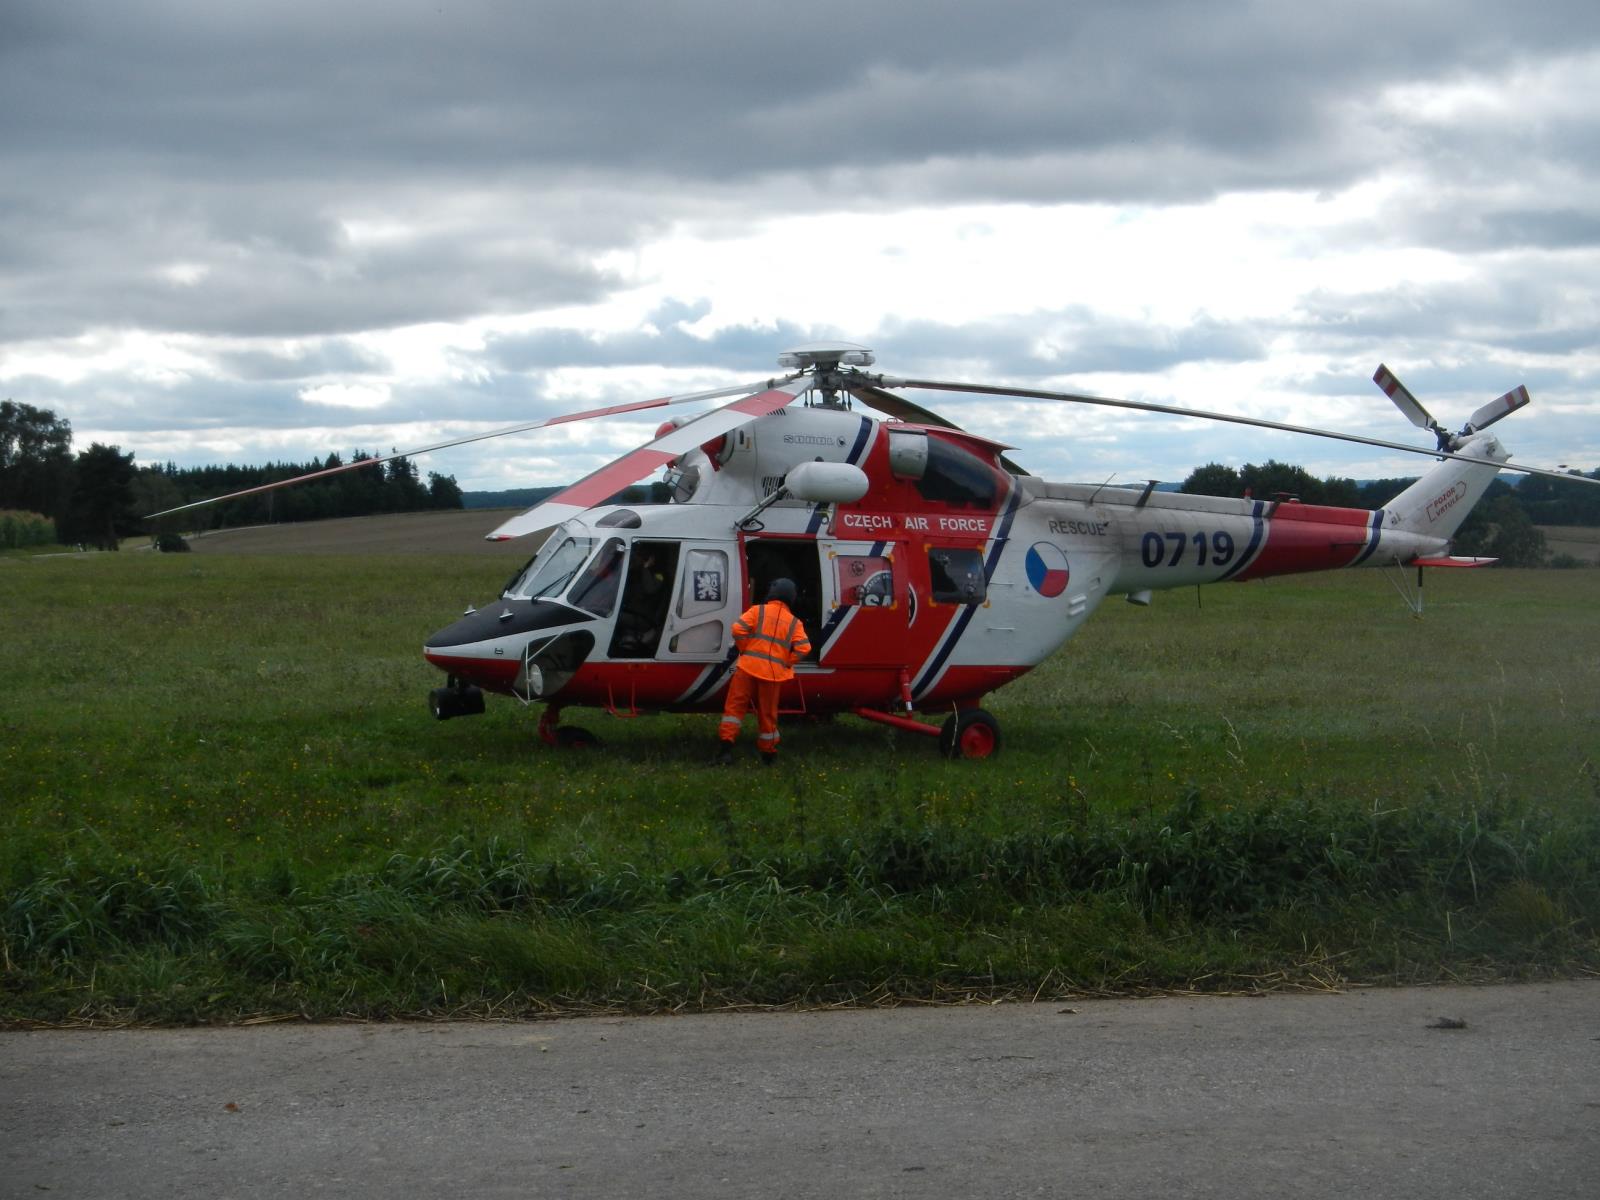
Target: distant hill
639, 493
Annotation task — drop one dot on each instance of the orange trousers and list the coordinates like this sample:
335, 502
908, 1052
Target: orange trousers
747, 692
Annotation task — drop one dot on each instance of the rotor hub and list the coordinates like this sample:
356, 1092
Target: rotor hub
825, 357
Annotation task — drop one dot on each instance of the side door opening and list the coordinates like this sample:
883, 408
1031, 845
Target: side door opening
646, 599
770, 558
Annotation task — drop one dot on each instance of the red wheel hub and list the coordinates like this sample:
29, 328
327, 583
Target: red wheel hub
977, 741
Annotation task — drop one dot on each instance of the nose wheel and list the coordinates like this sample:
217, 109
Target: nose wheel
970, 733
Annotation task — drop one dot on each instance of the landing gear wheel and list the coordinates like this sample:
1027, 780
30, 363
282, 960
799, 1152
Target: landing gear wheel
970, 733
576, 737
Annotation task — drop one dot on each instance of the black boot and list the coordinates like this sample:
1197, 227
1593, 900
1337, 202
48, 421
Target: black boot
724, 756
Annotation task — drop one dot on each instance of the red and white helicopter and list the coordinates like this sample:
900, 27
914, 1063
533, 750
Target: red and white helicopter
930, 570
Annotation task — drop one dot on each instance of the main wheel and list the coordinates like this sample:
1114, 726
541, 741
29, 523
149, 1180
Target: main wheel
970, 733
575, 737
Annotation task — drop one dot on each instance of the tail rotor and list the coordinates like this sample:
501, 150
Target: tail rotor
1413, 411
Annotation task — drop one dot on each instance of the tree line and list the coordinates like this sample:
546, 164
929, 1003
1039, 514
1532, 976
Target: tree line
99, 496
1502, 526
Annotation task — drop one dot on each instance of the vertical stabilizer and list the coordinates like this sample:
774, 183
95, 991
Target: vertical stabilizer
1438, 502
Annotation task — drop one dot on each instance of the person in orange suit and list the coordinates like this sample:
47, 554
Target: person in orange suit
770, 640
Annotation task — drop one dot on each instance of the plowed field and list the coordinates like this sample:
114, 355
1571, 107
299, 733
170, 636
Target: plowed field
455, 532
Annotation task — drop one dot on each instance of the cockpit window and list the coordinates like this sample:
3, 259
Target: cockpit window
596, 589
554, 566
519, 577
955, 475
517, 585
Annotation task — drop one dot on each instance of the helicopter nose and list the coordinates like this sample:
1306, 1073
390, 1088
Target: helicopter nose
502, 620
531, 649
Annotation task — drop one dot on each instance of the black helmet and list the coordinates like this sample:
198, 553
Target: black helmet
781, 589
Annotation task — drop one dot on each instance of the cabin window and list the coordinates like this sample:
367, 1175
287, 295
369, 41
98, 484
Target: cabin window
704, 638
682, 483
955, 475
596, 589
705, 583
956, 575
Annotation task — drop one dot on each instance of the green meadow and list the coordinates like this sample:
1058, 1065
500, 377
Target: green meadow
222, 799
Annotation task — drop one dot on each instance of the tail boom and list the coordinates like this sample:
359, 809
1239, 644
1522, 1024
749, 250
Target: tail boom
1155, 541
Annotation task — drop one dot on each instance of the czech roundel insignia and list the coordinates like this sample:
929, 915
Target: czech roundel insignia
1047, 569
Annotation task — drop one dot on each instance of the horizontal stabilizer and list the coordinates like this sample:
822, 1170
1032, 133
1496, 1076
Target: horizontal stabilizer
1453, 560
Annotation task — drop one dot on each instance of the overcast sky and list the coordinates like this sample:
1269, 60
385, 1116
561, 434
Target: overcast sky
249, 232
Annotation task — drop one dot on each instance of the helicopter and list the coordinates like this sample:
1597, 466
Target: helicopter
929, 568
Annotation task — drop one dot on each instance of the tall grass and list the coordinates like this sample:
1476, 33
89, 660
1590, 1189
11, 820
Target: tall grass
220, 794
23, 529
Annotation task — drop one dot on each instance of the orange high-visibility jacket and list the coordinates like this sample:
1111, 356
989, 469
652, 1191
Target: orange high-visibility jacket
771, 640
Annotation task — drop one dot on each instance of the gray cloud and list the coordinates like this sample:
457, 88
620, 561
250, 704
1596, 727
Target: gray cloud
663, 342
312, 171
332, 356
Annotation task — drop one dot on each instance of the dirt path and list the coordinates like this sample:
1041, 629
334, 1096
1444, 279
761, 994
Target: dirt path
1356, 1094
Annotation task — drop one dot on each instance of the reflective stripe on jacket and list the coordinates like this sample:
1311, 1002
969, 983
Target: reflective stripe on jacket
771, 640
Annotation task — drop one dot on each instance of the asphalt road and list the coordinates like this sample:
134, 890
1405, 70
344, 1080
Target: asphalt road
1355, 1094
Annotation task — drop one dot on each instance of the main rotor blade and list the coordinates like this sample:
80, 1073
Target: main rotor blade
565, 418
899, 407
1170, 410
595, 487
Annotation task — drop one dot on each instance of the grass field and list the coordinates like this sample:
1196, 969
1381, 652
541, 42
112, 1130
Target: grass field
221, 798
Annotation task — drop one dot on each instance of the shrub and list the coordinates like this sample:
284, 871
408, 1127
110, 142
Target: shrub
19, 529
